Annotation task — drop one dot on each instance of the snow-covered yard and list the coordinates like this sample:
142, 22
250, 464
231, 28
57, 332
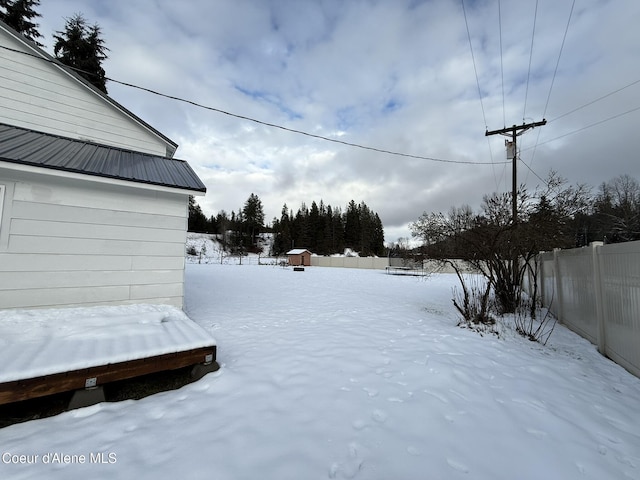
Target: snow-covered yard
336, 373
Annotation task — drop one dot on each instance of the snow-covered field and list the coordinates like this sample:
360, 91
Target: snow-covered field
336, 373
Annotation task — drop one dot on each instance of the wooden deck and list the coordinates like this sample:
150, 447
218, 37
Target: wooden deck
88, 378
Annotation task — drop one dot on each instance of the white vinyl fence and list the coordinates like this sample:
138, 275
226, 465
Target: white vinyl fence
350, 262
595, 291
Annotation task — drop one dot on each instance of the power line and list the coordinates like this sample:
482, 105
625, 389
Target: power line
585, 127
473, 59
531, 170
553, 79
267, 124
533, 33
559, 55
504, 118
595, 101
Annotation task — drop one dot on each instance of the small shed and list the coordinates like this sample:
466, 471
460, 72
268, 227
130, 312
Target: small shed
299, 257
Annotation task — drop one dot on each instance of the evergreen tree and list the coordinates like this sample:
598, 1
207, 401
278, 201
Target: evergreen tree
337, 231
220, 226
253, 216
282, 232
377, 239
197, 220
352, 230
301, 233
19, 15
81, 47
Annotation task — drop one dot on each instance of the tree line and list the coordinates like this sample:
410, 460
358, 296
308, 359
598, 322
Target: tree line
321, 228
79, 46
325, 230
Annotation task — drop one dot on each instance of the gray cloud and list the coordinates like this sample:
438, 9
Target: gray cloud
389, 74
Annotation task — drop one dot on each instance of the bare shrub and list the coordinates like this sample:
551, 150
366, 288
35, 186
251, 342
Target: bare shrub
472, 301
534, 322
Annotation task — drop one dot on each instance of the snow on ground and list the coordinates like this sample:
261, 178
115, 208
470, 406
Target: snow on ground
338, 373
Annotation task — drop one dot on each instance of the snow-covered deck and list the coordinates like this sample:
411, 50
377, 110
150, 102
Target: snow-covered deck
49, 351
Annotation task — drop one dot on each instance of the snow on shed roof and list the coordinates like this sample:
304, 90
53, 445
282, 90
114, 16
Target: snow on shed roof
28, 147
297, 251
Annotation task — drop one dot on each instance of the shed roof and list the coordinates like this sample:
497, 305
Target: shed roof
297, 251
28, 147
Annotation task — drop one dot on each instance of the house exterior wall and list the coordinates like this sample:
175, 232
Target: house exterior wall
71, 242
41, 96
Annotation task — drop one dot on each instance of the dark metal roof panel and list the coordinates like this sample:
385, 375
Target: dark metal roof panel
28, 147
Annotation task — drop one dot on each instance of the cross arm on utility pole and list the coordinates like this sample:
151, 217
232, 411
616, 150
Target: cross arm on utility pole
516, 128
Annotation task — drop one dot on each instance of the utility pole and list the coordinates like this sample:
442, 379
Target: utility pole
514, 132
512, 152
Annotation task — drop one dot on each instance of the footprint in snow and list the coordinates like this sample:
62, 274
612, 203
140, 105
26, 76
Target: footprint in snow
359, 424
456, 465
350, 467
372, 392
536, 433
413, 451
379, 416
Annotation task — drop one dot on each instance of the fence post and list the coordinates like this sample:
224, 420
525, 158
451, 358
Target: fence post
540, 279
597, 287
558, 280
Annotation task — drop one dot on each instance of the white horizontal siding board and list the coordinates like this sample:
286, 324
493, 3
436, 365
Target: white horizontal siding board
72, 192
36, 263
88, 278
39, 228
146, 292
81, 246
60, 104
154, 263
92, 215
53, 297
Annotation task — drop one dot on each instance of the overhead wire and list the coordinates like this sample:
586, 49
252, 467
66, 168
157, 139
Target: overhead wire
594, 101
635, 82
475, 70
555, 71
473, 59
586, 127
264, 123
553, 78
504, 118
533, 34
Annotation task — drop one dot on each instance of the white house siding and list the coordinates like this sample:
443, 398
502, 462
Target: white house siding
61, 105
66, 241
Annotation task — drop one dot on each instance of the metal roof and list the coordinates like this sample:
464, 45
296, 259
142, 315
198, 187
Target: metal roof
28, 147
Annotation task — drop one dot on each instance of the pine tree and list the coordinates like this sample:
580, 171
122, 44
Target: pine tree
19, 15
81, 47
253, 215
197, 220
352, 230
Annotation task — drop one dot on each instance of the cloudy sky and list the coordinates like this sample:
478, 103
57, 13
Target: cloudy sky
396, 75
